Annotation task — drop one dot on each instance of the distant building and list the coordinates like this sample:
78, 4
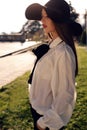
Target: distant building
12, 37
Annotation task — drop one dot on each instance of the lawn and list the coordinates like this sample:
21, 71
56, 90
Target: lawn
14, 103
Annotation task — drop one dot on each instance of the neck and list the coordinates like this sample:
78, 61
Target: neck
53, 35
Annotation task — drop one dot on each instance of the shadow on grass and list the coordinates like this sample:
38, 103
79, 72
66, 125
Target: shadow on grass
3, 89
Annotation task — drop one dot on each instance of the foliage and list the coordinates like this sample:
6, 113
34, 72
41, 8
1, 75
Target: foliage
14, 103
14, 106
83, 38
33, 30
73, 13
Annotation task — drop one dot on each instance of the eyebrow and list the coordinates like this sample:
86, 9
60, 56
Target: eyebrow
44, 15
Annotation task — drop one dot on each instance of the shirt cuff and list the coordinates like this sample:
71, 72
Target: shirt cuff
41, 123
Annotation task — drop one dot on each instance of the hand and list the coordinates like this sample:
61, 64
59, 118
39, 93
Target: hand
39, 127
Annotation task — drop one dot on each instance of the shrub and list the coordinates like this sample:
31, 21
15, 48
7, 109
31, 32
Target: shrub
83, 37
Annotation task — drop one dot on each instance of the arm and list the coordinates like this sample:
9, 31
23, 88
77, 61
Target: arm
63, 90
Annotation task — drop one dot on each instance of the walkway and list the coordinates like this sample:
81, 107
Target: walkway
15, 65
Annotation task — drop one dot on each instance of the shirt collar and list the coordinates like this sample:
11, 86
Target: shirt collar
55, 42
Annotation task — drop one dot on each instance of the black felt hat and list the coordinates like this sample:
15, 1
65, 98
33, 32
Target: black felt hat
57, 10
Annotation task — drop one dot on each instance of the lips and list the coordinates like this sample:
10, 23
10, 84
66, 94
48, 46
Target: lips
44, 26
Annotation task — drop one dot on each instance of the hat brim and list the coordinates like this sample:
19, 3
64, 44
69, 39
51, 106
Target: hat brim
33, 12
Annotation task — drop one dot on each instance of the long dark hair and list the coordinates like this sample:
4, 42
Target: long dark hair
66, 34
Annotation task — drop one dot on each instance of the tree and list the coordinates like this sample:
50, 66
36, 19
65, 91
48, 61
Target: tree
73, 13
30, 28
83, 38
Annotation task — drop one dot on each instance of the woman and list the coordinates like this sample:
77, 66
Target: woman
52, 92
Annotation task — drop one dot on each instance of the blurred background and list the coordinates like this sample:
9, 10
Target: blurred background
18, 37
15, 27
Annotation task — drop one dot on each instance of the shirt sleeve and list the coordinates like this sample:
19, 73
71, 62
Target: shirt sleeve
63, 91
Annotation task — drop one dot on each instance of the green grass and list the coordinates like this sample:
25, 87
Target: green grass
14, 103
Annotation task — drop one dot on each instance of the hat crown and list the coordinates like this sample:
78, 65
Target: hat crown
58, 10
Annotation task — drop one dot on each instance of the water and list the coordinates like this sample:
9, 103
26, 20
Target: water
15, 65
8, 47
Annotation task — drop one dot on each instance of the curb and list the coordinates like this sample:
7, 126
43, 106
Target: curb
21, 50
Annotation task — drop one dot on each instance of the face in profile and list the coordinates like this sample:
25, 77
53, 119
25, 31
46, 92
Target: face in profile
47, 23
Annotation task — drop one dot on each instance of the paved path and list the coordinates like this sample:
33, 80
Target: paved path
8, 47
15, 65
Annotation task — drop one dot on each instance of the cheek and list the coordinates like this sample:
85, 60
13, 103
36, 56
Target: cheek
50, 27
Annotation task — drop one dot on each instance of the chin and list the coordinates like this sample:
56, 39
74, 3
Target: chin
46, 31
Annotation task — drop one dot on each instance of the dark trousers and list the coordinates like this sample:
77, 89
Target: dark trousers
36, 116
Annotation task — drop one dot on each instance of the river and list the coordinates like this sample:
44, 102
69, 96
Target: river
14, 65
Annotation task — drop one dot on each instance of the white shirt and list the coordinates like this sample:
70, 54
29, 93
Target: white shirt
53, 92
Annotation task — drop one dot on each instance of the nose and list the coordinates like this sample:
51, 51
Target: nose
42, 19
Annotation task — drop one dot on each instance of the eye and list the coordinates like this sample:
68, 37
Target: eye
44, 17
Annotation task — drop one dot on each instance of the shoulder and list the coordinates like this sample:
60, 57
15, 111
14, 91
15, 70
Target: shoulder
64, 49
57, 52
